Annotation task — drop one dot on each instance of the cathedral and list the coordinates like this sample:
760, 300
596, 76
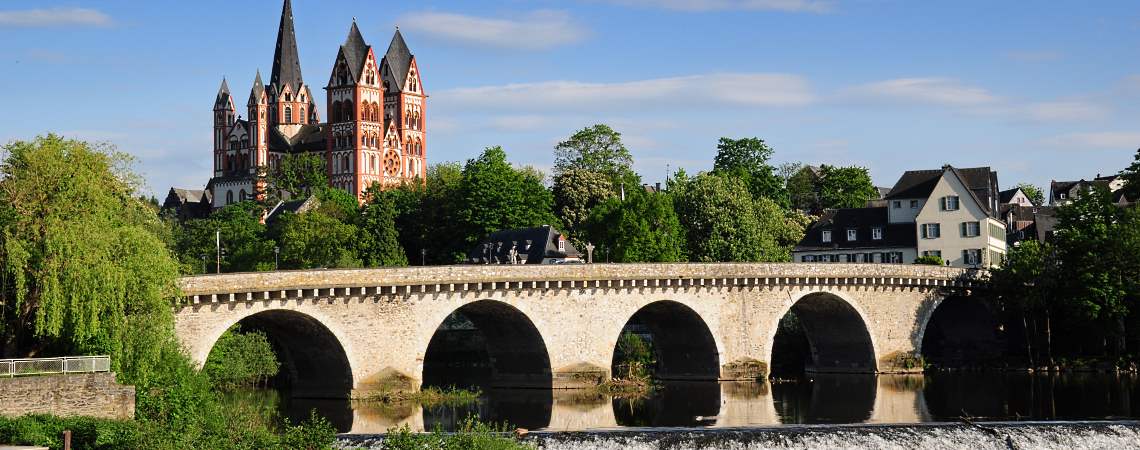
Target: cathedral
374, 132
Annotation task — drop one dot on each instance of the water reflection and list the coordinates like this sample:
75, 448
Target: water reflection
817, 399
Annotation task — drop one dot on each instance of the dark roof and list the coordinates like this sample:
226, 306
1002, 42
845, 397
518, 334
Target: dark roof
1007, 195
399, 61
981, 181
309, 138
295, 206
355, 51
223, 98
187, 203
895, 235
1071, 188
258, 91
1021, 213
286, 63
543, 243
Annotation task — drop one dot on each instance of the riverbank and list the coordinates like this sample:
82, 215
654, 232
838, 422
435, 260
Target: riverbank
994, 435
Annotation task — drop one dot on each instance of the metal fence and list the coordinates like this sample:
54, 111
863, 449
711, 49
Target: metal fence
43, 366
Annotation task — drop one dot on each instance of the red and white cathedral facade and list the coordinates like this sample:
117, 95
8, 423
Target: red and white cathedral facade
375, 132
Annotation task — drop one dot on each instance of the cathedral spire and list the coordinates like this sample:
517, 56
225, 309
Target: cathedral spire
286, 63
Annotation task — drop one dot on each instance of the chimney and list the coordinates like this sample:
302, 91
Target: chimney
658, 186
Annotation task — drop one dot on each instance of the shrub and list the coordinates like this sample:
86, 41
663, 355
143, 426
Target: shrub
930, 260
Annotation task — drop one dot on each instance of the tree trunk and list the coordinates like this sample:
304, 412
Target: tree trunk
1048, 337
1119, 345
1028, 339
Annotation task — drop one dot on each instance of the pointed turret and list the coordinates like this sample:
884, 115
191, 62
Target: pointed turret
286, 63
355, 51
257, 93
223, 95
399, 60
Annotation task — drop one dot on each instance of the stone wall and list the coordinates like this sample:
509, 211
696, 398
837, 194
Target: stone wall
89, 394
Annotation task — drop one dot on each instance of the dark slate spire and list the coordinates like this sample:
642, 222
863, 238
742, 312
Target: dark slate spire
258, 91
223, 98
399, 60
355, 51
286, 64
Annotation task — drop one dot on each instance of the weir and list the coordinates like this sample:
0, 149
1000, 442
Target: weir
557, 326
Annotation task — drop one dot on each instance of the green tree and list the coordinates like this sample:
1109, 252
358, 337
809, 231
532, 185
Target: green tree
1131, 175
845, 187
316, 239
84, 271
930, 260
380, 243
1026, 284
496, 196
643, 228
296, 174
1087, 240
576, 192
747, 159
1035, 194
597, 149
427, 220
720, 218
241, 358
802, 190
242, 235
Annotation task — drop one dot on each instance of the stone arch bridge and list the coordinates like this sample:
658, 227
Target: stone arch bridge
350, 332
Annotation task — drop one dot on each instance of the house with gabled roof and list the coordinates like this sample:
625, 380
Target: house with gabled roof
950, 213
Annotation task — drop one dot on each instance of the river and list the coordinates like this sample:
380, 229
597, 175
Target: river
815, 399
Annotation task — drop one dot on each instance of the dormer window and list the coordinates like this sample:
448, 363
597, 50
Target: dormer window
561, 244
914, 204
877, 233
852, 234
825, 236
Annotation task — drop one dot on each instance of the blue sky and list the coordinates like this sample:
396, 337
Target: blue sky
1037, 91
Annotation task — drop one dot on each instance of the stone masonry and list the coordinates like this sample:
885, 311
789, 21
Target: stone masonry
383, 319
89, 394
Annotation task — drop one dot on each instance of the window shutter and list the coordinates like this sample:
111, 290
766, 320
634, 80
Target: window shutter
942, 202
923, 228
965, 229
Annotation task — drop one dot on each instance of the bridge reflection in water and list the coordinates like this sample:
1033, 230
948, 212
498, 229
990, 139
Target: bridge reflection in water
818, 399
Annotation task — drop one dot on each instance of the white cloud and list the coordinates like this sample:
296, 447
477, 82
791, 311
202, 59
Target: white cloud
933, 91
54, 17
1064, 111
519, 122
1101, 140
746, 89
811, 6
535, 31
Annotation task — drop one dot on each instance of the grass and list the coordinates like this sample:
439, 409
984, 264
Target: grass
472, 434
430, 396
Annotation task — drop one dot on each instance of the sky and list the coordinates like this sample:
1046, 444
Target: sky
1036, 90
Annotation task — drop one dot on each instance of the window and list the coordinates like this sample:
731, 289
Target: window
931, 231
971, 229
877, 233
896, 204
972, 256
937, 253
229, 197
826, 236
852, 257
561, 244
241, 195
807, 258
852, 234
914, 204
868, 257
950, 203
288, 114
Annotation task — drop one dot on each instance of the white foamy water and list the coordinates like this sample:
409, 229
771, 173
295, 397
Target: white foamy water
1005, 436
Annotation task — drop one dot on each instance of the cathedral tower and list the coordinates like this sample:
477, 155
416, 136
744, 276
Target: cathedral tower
405, 104
355, 132
223, 121
290, 101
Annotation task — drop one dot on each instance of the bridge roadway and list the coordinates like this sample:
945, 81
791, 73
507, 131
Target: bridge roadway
356, 331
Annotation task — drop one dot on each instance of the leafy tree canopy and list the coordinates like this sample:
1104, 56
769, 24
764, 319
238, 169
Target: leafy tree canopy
643, 228
576, 192
1132, 177
496, 196
380, 241
724, 223
296, 175
747, 159
597, 149
845, 187
242, 237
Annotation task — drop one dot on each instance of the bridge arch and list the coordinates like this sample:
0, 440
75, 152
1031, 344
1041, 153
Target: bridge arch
313, 357
486, 343
685, 347
958, 330
838, 336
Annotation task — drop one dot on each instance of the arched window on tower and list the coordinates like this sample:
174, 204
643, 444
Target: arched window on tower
345, 165
348, 112
288, 114
229, 197
241, 195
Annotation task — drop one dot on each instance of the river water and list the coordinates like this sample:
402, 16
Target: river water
816, 399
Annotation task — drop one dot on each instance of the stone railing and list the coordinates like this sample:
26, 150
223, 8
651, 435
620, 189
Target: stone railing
45, 366
464, 278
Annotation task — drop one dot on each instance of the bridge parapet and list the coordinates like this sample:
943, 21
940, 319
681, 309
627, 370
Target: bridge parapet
434, 279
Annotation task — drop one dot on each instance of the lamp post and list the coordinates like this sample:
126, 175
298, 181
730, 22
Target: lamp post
276, 251
218, 250
203, 263
423, 256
